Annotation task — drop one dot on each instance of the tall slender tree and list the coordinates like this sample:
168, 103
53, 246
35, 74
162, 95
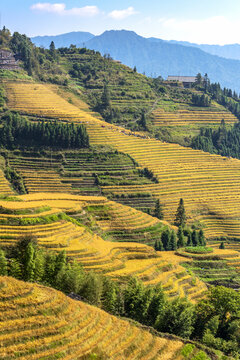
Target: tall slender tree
180, 218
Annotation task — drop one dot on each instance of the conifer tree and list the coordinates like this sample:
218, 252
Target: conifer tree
195, 240
222, 245
173, 241
15, 269
39, 266
180, 242
180, 218
201, 238
29, 263
3, 264
158, 211
166, 237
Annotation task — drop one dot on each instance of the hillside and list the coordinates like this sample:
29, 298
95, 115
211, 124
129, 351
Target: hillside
200, 177
39, 322
52, 219
163, 58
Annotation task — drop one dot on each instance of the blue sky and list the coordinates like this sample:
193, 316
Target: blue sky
201, 21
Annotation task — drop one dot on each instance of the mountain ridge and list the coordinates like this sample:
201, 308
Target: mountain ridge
160, 57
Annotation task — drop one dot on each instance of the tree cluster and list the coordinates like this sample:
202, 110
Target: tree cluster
221, 141
19, 132
201, 100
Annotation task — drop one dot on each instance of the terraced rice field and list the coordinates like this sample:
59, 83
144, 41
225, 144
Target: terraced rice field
209, 184
40, 174
194, 117
116, 259
123, 223
5, 187
41, 323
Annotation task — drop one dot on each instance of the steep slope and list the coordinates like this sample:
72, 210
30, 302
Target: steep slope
41, 323
209, 184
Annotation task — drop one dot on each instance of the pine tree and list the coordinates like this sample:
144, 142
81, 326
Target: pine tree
180, 218
173, 241
195, 240
222, 245
3, 264
39, 266
106, 102
180, 242
160, 245
15, 269
166, 237
52, 50
143, 121
201, 238
29, 263
158, 211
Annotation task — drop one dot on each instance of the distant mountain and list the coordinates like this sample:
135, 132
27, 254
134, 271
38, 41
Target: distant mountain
77, 38
231, 51
158, 57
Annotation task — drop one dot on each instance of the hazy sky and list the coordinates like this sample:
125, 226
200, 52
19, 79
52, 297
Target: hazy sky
201, 21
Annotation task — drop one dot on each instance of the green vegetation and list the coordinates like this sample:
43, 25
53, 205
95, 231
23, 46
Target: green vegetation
199, 250
19, 132
221, 141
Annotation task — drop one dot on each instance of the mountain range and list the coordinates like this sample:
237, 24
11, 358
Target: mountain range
157, 57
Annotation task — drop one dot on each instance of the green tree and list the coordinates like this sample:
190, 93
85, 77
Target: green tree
158, 211
173, 241
166, 238
143, 121
180, 218
177, 318
29, 263
105, 100
201, 238
15, 269
180, 235
3, 264
39, 266
52, 50
222, 245
195, 240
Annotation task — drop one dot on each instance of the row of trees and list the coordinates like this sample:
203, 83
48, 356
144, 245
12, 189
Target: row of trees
185, 237
17, 131
214, 320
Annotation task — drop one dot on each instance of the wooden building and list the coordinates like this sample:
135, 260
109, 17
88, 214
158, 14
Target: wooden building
187, 81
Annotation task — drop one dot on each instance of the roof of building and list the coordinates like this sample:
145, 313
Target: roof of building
190, 79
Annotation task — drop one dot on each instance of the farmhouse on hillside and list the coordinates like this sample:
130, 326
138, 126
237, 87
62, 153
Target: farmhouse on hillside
187, 81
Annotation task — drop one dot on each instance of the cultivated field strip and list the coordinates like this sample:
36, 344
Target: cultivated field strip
203, 180
41, 323
187, 117
5, 187
119, 260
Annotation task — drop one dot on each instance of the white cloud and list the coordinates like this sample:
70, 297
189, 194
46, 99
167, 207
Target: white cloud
213, 30
60, 9
122, 14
